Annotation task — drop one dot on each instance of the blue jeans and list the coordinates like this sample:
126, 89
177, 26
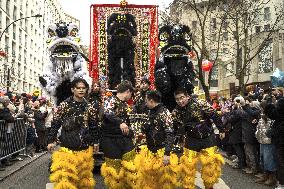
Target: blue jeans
268, 159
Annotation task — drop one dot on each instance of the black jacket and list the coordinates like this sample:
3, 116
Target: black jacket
248, 128
140, 105
236, 119
196, 119
159, 130
276, 113
39, 120
115, 113
6, 115
78, 123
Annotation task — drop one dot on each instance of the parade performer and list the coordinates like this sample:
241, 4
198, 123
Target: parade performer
72, 164
174, 68
194, 120
139, 101
66, 61
121, 28
118, 170
152, 162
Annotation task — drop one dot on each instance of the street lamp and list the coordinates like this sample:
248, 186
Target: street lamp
8, 71
36, 16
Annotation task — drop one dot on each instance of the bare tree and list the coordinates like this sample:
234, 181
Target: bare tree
243, 16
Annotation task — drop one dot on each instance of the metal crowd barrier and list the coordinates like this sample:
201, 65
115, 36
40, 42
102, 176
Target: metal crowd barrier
12, 137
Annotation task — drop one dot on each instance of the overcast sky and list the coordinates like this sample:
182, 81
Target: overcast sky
81, 10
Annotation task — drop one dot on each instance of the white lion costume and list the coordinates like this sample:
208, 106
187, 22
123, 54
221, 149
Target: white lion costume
66, 61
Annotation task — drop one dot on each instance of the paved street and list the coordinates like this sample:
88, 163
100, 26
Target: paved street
35, 176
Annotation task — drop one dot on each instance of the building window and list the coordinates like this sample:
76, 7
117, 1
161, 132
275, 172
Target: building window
213, 23
8, 7
194, 24
15, 13
265, 58
7, 23
267, 14
214, 77
0, 20
225, 25
267, 27
229, 69
225, 50
257, 29
14, 32
225, 36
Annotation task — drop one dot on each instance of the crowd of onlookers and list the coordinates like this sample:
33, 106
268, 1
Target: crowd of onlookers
36, 113
254, 137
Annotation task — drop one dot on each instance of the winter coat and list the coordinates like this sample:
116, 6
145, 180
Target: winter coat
6, 115
40, 120
276, 113
236, 119
249, 128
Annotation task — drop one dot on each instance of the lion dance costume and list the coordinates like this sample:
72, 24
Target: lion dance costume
173, 71
66, 61
73, 163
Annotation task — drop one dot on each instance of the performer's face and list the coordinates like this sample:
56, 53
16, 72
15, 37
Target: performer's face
79, 90
182, 99
96, 87
144, 86
128, 95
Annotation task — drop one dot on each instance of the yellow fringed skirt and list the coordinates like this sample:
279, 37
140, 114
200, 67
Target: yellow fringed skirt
72, 169
120, 174
151, 172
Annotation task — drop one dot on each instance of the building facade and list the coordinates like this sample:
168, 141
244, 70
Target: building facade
25, 41
261, 67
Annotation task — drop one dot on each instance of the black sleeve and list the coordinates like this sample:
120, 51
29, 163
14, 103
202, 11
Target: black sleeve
270, 111
56, 123
93, 123
109, 111
167, 122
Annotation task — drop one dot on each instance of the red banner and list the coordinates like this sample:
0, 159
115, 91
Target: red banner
145, 52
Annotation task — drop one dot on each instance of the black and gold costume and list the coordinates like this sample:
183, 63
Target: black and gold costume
118, 148
72, 164
149, 162
140, 105
159, 131
194, 122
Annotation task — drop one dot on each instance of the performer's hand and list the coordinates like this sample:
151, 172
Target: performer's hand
96, 148
254, 121
166, 160
124, 128
50, 147
222, 135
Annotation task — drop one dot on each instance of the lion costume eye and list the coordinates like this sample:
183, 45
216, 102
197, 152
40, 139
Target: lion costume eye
187, 37
74, 32
164, 36
51, 33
